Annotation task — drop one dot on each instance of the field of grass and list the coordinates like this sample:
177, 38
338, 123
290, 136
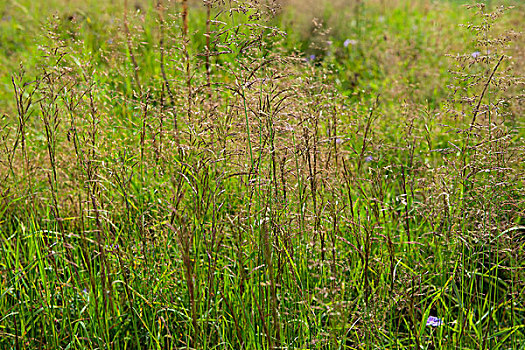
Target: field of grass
294, 174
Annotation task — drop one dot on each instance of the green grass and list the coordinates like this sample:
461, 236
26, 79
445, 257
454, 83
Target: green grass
164, 191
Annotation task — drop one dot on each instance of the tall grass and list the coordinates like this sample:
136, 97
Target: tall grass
190, 176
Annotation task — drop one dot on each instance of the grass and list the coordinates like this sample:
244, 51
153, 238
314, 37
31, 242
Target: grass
238, 175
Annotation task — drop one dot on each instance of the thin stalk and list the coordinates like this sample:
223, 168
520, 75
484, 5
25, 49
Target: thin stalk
129, 43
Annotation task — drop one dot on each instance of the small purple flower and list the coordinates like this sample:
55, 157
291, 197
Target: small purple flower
349, 42
338, 141
476, 54
85, 294
433, 321
312, 57
368, 159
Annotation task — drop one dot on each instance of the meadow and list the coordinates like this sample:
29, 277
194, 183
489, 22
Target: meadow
262, 174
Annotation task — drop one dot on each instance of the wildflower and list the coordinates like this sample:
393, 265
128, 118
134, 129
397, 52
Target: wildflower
433, 321
338, 141
312, 57
368, 159
349, 42
85, 294
476, 54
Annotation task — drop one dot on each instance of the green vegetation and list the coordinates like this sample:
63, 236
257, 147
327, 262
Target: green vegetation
293, 174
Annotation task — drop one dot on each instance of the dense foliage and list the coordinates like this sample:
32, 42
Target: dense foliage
340, 174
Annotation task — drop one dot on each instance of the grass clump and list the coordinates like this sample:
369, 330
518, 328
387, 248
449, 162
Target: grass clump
225, 175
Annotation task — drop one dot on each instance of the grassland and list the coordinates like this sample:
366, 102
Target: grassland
260, 175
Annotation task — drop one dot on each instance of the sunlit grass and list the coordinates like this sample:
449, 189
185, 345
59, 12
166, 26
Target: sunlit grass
352, 182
